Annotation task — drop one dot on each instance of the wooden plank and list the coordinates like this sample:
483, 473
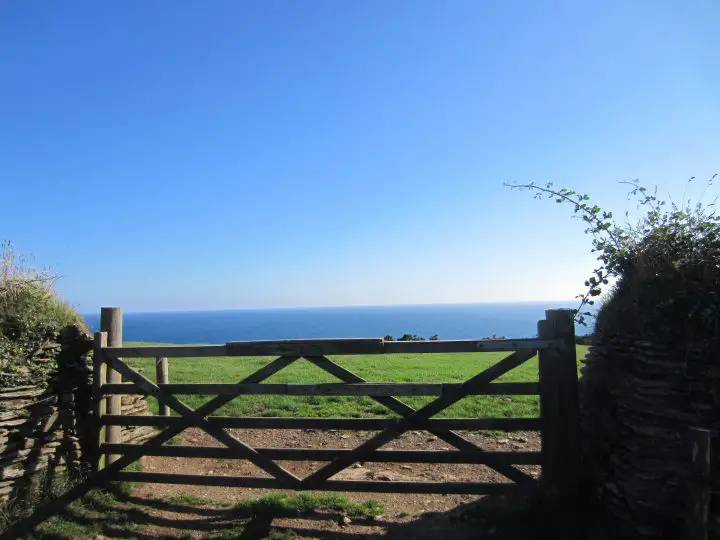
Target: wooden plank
112, 469
422, 415
99, 379
324, 347
163, 377
114, 407
478, 381
549, 409
330, 389
168, 351
305, 347
405, 411
321, 475
214, 404
328, 454
257, 377
196, 419
700, 489
559, 403
331, 485
200, 480
469, 488
350, 424
564, 322
467, 346
475, 383
111, 322
362, 424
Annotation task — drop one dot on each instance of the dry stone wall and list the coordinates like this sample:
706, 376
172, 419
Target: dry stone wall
48, 426
638, 399
35, 434
136, 406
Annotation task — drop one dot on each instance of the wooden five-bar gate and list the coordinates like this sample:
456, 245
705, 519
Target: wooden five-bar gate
557, 390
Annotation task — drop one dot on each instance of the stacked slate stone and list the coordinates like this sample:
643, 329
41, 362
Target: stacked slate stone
638, 398
37, 433
47, 421
135, 405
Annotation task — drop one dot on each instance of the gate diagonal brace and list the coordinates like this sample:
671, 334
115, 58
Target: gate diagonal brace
105, 475
151, 389
414, 418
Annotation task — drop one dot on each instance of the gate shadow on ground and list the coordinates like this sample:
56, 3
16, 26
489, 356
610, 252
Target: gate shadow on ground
122, 515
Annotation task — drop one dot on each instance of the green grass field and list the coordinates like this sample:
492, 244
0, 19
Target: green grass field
448, 368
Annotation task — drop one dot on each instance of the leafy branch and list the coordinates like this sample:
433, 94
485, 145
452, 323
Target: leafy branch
607, 238
678, 234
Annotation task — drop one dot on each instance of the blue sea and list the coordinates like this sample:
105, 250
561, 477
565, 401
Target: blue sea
448, 321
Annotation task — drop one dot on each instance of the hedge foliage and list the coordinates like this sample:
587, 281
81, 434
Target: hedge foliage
660, 275
31, 316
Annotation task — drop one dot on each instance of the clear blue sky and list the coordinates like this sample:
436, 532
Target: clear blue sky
190, 155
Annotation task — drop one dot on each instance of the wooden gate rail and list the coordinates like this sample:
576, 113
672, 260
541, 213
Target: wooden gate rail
329, 389
333, 347
107, 473
284, 477
350, 424
317, 478
328, 454
558, 422
398, 407
366, 486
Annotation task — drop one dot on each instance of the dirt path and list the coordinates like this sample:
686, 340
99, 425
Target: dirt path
167, 512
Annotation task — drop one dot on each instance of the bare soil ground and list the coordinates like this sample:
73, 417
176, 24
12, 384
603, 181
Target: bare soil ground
406, 515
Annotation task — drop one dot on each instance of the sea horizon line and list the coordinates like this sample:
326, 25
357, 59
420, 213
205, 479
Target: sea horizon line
343, 306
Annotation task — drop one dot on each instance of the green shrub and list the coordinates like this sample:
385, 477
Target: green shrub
661, 275
31, 315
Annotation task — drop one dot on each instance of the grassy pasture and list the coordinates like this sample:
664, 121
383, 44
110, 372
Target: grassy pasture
453, 367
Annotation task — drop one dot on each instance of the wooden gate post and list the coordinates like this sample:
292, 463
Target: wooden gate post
162, 377
99, 378
560, 419
111, 321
